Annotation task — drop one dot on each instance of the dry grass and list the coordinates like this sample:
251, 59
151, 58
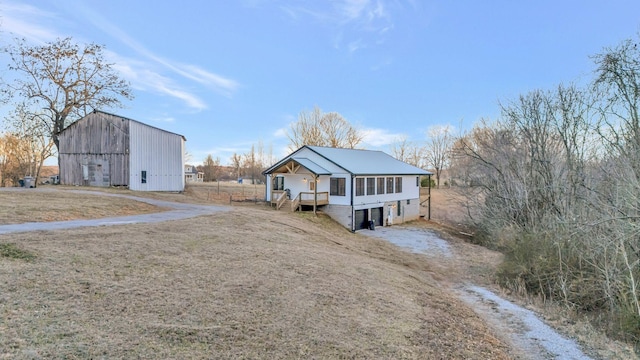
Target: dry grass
250, 283
35, 205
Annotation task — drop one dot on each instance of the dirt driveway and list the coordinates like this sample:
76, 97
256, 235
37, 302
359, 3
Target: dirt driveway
520, 327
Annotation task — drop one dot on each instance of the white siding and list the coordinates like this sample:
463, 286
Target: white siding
409, 191
160, 154
268, 183
337, 199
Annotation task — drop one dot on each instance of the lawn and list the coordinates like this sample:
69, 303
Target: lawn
248, 283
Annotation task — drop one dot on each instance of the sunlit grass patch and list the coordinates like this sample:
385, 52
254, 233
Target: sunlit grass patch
12, 251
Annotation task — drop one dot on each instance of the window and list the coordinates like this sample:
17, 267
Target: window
399, 184
359, 186
399, 208
143, 177
417, 180
337, 186
279, 183
380, 186
389, 185
408, 201
312, 185
371, 186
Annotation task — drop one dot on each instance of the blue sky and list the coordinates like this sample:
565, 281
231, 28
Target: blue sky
228, 74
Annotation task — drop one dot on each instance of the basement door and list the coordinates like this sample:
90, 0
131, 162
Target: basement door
377, 215
362, 219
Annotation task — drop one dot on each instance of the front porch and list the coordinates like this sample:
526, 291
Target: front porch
279, 198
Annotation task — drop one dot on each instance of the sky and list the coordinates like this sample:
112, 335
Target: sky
229, 74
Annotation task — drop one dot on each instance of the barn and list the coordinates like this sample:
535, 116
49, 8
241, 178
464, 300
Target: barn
103, 149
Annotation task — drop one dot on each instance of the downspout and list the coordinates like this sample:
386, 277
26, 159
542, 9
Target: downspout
429, 203
353, 212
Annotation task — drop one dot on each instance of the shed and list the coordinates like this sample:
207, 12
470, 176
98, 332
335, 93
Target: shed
103, 149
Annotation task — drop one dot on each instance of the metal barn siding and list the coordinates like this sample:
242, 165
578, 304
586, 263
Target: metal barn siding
157, 156
94, 151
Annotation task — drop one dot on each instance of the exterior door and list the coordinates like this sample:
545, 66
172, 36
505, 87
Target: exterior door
362, 219
377, 215
99, 173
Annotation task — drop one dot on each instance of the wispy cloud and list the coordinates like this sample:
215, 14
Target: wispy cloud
351, 18
28, 22
141, 78
281, 133
150, 72
380, 137
195, 73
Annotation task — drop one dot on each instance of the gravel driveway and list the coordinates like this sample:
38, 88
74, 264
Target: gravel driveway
523, 328
179, 211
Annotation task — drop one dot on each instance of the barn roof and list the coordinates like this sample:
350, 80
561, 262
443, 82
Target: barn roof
126, 118
357, 162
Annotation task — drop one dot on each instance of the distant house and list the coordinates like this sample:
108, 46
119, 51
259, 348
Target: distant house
354, 187
103, 149
191, 174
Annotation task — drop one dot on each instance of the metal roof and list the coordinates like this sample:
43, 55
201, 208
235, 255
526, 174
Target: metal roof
367, 162
354, 161
311, 166
126, 118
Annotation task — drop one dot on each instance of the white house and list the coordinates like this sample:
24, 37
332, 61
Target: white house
103, 149
354, 187
191, 174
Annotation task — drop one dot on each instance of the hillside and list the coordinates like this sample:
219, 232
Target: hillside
249, 283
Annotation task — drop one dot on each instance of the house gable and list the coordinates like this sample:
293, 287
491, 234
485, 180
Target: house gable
362, 186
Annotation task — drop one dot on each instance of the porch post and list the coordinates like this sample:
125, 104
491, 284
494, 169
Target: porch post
315, 194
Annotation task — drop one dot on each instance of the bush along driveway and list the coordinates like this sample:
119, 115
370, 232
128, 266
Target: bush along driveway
522, 328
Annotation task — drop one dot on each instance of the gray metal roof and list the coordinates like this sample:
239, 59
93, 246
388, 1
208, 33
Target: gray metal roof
311, 166
367, 162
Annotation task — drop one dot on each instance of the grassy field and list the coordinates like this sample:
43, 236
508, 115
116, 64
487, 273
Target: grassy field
248, 283
30, 205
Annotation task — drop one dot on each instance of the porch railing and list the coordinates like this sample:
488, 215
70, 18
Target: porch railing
281, 199
295, 203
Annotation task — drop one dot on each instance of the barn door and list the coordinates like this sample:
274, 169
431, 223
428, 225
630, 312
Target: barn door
99, 173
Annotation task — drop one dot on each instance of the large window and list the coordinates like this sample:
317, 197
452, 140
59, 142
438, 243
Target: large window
359, 186
371, 186
389, 185
337, 186
380, 185
399, 184
279, 183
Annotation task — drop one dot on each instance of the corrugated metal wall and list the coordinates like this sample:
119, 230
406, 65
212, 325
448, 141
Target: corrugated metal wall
160, 154
97, 140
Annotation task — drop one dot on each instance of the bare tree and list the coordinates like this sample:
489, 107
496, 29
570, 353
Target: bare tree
236, 162
211, 167
38, 145
63, 81
14, 159
409, 152
323, 129
249, 163
438, 149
